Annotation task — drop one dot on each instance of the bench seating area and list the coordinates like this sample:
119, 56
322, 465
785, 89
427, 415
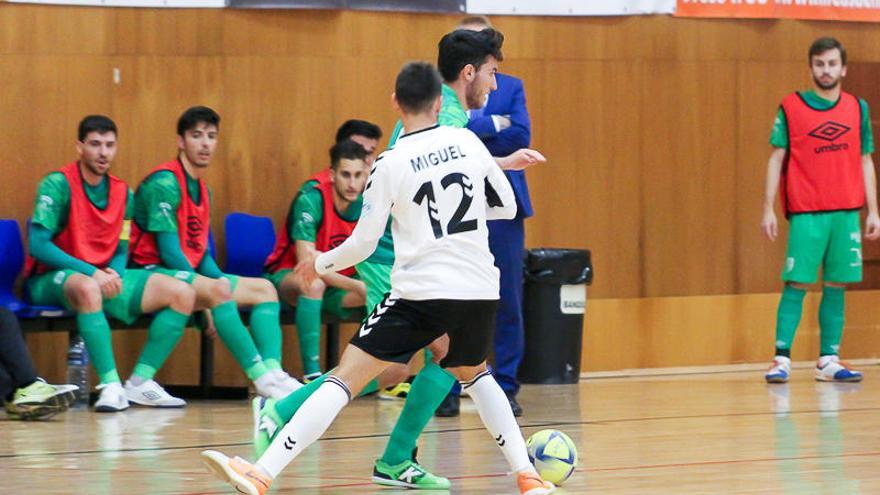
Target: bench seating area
249, 240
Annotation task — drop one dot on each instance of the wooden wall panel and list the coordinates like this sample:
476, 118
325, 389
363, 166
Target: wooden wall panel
655, 128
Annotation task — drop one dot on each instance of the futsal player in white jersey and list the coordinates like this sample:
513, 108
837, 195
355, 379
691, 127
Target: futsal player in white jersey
440, 186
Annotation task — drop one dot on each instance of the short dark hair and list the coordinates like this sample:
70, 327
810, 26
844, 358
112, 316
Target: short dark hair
95, 123
348, 150
824, 44
417, 86
192, 116
355, 127
462, 47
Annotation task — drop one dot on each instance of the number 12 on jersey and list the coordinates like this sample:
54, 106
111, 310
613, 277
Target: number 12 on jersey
456, 224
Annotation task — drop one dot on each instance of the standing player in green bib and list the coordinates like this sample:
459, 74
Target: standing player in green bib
821, 165
78, 245
468, 61
170, 235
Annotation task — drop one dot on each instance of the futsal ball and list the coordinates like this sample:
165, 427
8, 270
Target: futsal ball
553, 454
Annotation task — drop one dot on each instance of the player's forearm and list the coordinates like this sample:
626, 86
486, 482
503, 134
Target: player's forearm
870, 184
120, 258
171, 253
208, 267
774, 172
41, 247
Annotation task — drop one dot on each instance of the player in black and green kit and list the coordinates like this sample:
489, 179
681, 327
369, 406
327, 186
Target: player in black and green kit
468, 61
822, 165
170, 235
78, 244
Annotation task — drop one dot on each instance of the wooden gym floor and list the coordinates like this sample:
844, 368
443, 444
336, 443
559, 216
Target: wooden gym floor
688, 434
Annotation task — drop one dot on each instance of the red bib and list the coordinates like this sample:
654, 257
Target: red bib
91, 234
333, 231
823, 165
193, 224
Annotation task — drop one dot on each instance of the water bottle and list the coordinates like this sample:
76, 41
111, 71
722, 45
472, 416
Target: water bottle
78, 371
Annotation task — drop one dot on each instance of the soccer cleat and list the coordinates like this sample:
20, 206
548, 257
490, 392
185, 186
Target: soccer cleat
41, 392
112, 398
407, 474
832, 369
267, 423
399, 391
530, 483
38, 400
779, 371
150, 393
450, 407
242, 475
286, 382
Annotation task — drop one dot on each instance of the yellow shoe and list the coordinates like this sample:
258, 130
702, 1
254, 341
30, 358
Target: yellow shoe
242, 475
397, 392
531, 484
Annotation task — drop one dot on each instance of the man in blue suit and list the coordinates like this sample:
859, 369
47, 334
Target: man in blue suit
503, 125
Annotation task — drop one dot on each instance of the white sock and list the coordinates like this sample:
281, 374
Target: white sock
495, 412
306, 426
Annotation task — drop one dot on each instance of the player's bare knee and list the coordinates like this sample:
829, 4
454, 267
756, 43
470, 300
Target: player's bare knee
85, 295
219, 292
315, 290
265, 291
795, 285
183, 297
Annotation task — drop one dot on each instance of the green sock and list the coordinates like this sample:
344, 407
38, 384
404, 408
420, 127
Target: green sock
831, 320
427, 392
165, 331
288, 406
237, 339
266, 328
788, 316
308, 328
95, 332
370, 388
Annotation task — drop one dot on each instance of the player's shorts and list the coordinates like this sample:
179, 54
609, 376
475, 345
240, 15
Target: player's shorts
377, 278
830, 240
188, 276
398, 328
333, 296
48, 289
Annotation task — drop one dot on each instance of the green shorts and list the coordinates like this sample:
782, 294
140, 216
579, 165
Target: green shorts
831, 240
377, 278
332, 301
48, 289
188, 276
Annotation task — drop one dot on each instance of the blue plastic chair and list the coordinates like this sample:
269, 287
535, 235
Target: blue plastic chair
11, 263
249, 241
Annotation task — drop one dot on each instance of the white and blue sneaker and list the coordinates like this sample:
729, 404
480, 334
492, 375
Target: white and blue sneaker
779, 371
832, 369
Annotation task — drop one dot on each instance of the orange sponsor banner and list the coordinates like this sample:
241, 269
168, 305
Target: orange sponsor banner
824, 10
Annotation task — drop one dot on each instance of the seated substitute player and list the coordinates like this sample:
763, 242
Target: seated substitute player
440, 186
170, 235
25, 395
78, 245
322, 215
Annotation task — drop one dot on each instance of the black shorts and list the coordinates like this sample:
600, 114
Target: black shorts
398, 328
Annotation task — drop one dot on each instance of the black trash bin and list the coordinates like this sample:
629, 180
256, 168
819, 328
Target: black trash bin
554, 300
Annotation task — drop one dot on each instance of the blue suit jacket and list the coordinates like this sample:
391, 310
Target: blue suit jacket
509, 100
